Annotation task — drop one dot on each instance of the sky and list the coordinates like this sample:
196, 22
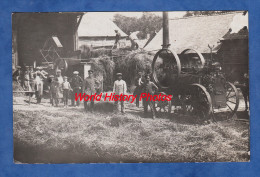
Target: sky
110, 15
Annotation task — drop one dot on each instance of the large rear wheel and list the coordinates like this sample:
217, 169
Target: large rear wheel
232, 100
197, 102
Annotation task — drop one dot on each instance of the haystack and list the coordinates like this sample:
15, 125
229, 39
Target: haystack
134, 62
104, 67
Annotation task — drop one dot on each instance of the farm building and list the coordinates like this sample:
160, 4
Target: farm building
32, 30
233, 51
96, 31
197, 32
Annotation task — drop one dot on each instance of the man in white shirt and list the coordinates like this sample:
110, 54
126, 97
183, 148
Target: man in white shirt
120, 88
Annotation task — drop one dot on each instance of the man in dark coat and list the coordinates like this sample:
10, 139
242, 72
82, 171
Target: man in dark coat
151, 88
75, 83
137, 91
89, 88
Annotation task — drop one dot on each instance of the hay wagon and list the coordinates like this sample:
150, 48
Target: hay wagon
199, 88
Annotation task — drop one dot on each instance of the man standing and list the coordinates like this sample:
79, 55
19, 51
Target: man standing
118, 36
138, 83
76, 83
52, 91
66, 90
148, 87
119, 88
38, 87
245, 90
89, 88
133, 38
59, 79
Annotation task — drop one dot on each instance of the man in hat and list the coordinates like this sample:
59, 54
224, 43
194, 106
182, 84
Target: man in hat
148, 87
137, 91
52, 90
119, 88
89, 88
76, 83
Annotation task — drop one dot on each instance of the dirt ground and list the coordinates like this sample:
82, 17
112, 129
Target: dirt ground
46, 134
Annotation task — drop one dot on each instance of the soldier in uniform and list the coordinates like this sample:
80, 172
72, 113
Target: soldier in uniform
89, 88
148, 87
120, 88
76, 83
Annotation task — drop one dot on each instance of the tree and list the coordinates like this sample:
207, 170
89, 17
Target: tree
148, 23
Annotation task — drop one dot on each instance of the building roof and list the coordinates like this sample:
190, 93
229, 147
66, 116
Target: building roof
93, 25
195, 32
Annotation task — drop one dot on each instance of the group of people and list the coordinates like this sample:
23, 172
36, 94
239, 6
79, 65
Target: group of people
61, 89
30, 80
143, 85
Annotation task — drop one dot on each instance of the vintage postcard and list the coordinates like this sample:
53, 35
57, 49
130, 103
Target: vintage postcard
130, 87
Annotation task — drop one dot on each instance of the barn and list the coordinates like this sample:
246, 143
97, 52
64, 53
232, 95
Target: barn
31, 30
98, 31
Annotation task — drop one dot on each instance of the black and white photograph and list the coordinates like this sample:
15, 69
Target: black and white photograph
130, 87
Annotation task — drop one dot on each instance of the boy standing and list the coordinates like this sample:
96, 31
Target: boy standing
66, 89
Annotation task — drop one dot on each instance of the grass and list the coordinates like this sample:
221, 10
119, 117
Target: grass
45, 134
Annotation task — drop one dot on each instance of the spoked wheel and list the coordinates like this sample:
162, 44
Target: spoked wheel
232, 100
197, 103
163, 106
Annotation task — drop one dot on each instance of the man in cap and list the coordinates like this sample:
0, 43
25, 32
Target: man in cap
119, 88
148, 87
76, 83
138, 83
89, 88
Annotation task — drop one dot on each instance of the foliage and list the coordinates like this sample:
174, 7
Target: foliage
197, 13
148, 23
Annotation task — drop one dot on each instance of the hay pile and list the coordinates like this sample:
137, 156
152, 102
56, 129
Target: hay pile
104, 67
89, 52
108, 62
132, 63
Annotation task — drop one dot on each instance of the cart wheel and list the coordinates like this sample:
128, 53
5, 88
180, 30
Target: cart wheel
163, 106
198, 102
232, 100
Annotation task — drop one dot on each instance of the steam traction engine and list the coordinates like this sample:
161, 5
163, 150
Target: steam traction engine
199, 88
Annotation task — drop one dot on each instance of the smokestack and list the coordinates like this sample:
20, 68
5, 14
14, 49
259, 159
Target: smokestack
165, 31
